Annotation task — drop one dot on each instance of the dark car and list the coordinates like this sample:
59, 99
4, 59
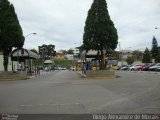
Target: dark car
55, 68
146, 68
124, 67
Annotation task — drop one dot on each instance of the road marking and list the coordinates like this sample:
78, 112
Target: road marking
50, 105
152, 108
26, 105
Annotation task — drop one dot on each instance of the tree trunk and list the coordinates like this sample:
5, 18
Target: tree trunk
6, 52
5, 60
99, 60
102, 60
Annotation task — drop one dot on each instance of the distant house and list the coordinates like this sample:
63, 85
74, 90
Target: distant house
69, 57
127, 53
59, 56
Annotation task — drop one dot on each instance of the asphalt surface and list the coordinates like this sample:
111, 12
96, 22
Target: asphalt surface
66, 92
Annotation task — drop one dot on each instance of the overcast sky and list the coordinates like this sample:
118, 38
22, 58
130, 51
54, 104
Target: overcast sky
61, 22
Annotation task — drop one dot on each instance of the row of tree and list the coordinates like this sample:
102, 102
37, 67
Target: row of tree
154, 54
148, 56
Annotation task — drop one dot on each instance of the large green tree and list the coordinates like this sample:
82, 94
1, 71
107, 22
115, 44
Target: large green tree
146, 56
70, 51
34, 50
11, 34
99, 32
154, 50
47, 51
130, 60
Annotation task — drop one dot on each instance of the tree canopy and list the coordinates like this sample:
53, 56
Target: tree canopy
130, 60
154, 50
99, 31
47, 51
146, 56
11, 34
70, 51
34, 50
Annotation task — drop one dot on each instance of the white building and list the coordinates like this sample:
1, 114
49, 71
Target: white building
69, 57
9, 64
75, 51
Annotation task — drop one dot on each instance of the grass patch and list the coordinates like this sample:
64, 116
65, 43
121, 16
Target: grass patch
64, 63
11, 76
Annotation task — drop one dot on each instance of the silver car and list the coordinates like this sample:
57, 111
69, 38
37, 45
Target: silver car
155, 67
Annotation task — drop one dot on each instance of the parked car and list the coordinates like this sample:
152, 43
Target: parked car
158, 69
124, 67
115, 68
140, 68
73, 68
62, 68
155, 67
146, 68
134, 67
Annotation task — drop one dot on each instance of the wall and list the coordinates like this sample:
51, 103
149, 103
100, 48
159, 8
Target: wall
9, 64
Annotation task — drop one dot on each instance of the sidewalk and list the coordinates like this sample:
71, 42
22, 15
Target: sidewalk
42, 73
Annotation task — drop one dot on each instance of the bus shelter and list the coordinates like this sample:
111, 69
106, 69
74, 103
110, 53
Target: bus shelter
90, 59
22, 55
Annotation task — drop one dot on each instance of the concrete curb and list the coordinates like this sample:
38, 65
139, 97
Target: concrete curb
94, 74
80, 74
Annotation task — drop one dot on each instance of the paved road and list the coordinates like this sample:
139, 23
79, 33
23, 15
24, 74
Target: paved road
66, 92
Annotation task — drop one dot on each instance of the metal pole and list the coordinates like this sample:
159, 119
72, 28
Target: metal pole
17, 60
12, 66
30, 66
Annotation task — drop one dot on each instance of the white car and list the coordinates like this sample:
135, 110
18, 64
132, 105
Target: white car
155, 67
73, 68
134, 67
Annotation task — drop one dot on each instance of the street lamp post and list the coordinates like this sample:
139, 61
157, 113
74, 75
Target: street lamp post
157, 28
29, 56
30, 34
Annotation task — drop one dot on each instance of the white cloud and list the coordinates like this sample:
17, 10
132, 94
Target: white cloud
62, 22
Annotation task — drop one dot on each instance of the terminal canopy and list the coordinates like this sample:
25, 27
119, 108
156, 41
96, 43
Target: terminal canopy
48, 62
21, 54
90, 54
